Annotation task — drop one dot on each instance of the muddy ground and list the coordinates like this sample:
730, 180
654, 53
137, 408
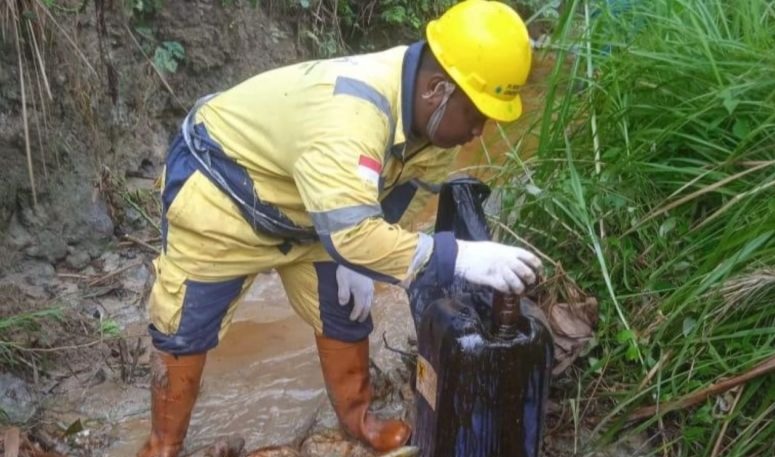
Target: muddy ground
85, 249
262, 384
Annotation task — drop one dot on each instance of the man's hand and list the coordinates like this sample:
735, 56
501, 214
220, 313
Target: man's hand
360, 287
506, 268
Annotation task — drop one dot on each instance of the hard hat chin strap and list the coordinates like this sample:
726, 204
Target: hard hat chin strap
446, 88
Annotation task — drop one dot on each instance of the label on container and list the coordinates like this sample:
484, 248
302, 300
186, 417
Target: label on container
426, 381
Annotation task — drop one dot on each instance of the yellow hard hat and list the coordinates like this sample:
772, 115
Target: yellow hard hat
484, 46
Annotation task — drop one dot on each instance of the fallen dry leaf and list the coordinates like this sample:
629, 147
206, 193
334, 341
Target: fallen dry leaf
572, 326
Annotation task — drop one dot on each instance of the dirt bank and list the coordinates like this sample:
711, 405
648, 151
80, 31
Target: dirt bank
111, 114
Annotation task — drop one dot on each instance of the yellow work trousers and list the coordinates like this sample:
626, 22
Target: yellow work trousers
211, 255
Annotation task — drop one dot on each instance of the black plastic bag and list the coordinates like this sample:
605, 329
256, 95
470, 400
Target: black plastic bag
460, 211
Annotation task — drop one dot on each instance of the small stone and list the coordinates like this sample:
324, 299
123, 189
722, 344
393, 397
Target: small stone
95, 249
39, 273
328, 442
33, 217
18, 400
98, 218
18, 237
33, 251
133, 216
110, 261
136, 279
123, 400
50, 246
78, 260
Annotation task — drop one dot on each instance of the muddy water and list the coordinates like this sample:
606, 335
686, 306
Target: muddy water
258, 383
263, 381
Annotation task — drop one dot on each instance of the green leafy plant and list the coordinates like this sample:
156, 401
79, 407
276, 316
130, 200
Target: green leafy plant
412, 14
168, 55
109, 328
144, 8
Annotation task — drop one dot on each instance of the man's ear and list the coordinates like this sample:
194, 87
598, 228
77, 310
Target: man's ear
432, 90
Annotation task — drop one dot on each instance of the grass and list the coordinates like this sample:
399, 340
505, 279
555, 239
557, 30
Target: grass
33, 334
16, 333
23, 23
655, 180
29, 26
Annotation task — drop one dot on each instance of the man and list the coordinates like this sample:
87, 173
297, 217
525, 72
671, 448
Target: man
307, 170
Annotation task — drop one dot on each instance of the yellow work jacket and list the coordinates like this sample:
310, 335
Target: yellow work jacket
325, 143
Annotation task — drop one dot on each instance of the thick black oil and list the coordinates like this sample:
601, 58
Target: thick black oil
490, 382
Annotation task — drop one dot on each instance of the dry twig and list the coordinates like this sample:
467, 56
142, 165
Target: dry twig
142, 243
114, 273
766, 367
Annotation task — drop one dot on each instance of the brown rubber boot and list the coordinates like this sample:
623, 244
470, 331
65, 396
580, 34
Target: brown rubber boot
346, 373
174, 388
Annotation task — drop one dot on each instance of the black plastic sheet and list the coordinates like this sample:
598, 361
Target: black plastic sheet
461, 211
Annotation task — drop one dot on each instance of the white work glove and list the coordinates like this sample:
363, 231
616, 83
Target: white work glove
360, 287
502, 267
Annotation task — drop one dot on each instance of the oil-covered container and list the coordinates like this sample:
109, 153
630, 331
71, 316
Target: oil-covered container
483, 365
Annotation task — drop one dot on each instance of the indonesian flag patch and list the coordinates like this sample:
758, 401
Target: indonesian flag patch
369, 169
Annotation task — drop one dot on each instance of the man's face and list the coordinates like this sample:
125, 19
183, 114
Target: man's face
461, 123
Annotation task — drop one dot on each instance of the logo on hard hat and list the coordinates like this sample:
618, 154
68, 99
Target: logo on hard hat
511, 90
